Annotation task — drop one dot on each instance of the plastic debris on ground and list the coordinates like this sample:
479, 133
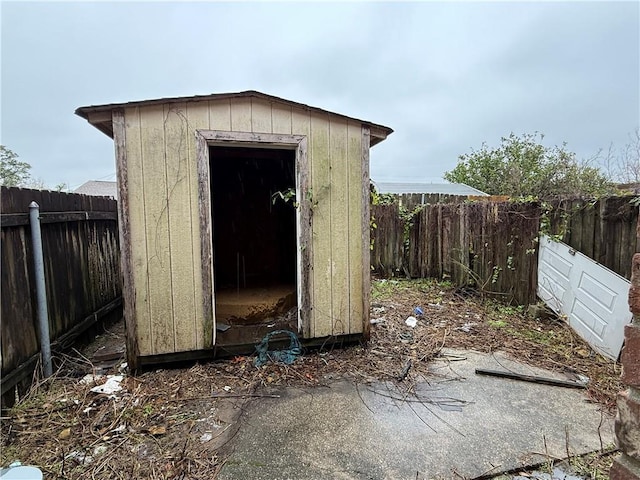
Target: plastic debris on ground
111, 386
411, 321
286, 356
583, 379
418, 311
467, 327
375, 321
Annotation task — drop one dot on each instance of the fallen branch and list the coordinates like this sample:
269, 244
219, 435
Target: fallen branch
225, 395
530, 378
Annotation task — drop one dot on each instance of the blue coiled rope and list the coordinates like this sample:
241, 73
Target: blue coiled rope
286, 356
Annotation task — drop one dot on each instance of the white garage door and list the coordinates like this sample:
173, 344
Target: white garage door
593, 298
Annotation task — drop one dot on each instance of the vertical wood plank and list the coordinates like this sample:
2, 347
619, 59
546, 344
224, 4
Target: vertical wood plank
206, 237
356, 226
321, 192
365, 219
577, 206
588, 230
623, 261
124, 218
157, 228
219, 115
304, 240
281, 118
177, 138
198, 116
340, 245
300, 122
260, 116
241, 114
132, 185
598, 234
301, 125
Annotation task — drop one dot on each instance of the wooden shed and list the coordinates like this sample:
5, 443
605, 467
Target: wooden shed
240, 213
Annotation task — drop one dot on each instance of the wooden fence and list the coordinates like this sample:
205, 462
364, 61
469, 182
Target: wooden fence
493, 245
604, 230
412, 200
82, 272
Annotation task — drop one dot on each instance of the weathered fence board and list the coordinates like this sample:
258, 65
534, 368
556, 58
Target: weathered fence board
82, 268
493, 245
603, 229
387, 235
490, 245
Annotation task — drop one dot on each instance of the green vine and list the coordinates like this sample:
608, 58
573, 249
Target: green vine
289, 195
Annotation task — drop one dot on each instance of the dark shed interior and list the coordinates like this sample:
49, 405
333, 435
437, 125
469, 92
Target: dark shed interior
254, 241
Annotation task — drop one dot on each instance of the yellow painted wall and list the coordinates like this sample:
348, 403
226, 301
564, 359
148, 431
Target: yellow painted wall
165, 231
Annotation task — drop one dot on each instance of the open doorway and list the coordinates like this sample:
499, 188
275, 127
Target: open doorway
254, 242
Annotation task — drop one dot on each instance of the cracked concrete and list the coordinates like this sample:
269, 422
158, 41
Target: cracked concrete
456, 424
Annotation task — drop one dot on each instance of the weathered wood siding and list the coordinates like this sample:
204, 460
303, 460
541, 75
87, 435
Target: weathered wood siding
81, 263
162, 194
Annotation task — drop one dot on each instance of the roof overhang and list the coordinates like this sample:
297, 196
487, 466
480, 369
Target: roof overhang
100, 116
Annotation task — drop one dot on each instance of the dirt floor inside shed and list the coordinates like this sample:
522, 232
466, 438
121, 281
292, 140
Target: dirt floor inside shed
177, 422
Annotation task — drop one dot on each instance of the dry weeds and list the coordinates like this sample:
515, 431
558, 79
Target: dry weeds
174, 423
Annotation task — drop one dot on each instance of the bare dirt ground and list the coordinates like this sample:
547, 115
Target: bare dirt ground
174, 423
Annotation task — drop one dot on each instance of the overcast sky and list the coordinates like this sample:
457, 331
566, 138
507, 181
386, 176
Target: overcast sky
445, 76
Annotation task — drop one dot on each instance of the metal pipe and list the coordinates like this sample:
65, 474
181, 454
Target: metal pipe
41, 292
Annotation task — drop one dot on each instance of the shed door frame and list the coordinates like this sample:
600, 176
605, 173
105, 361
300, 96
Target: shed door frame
209, 138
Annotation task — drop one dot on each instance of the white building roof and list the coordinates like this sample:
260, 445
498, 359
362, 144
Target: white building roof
441, 188
98, 188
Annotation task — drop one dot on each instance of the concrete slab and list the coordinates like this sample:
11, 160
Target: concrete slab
456, 425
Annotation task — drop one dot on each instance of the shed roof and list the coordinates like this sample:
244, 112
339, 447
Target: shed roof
100, 115
442, 188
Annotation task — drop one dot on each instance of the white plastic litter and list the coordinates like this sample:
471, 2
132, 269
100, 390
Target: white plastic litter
411, 321
112, 385
467, 327
375, 321
119, 429
205, 437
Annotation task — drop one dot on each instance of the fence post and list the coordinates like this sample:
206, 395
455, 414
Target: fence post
41, 292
